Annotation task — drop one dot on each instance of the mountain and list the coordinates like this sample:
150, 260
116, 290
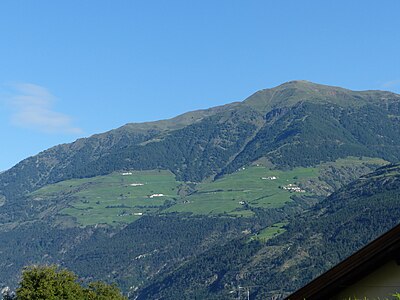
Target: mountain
137, 203
329, 122
310, 244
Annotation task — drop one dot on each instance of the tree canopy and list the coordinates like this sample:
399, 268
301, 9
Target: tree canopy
53, 283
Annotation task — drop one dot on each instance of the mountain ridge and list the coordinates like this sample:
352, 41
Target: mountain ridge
307, 90
248, 123
238, 175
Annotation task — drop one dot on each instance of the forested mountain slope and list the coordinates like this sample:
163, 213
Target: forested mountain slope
151, 204
312, 243
321, 122
67, 160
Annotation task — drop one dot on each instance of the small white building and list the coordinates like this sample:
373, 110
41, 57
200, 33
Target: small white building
269, 178
156, 195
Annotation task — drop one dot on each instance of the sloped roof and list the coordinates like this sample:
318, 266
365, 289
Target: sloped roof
364, 261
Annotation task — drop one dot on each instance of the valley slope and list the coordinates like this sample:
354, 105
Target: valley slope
307, 245
132, 204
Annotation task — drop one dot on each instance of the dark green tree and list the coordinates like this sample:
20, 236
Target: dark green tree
101, 291
48, 282
52, 283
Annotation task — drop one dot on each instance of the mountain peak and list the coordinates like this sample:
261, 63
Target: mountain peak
305, 84
297, 82
295, 91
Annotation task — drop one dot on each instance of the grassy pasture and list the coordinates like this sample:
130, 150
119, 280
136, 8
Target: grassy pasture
114, 198
225, 195
249, 187
270, 232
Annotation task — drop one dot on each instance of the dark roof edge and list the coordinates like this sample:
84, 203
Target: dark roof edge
350, 269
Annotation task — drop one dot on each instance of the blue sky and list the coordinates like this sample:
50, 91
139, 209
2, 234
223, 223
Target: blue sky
69, 69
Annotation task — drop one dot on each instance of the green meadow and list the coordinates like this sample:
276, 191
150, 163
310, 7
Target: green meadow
123, 197
270, 232
114, 198
257, 186
235, 194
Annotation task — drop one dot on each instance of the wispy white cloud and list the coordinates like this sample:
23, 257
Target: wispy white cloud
33, 108
391, 84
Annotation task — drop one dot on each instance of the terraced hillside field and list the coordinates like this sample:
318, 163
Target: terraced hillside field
237, 193
123, 197
116, 198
